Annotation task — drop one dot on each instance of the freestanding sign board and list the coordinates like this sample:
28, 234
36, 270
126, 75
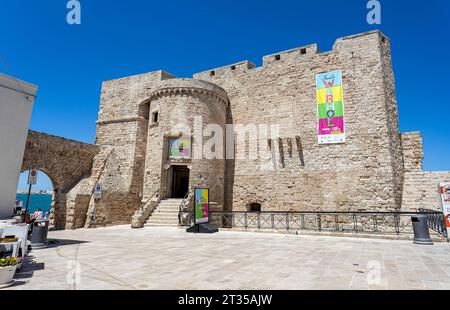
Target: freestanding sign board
98, 191
201, 205
32, 177
444, 194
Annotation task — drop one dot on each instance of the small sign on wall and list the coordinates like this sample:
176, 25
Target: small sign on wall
98, 191
32, 177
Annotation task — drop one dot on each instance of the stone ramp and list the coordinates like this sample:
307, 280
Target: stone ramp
165, 214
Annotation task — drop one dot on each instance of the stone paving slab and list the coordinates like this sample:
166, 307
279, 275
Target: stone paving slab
169, 258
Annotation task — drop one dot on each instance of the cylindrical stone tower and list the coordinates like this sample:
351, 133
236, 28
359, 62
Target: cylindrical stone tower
186, 139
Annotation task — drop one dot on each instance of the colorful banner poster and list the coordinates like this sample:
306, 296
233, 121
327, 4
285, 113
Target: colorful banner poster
444, 194
330, 108
179, 148
201, 205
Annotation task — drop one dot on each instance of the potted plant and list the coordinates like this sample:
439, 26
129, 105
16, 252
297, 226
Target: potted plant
8, 267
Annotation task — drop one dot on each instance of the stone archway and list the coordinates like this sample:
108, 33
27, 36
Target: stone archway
65, 161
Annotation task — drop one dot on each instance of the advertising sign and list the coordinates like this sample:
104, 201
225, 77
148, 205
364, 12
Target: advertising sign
179, 148
201, 205
330, 108
444, 194
98, 191
32, 177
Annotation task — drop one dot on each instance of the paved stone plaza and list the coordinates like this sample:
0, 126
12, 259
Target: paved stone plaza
168, 258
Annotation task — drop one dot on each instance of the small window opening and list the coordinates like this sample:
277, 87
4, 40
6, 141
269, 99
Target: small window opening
233, 68
254, 207
303, 51
155, 117
277, 57
383, 39
212, 73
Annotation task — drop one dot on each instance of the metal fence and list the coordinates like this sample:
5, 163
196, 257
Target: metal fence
436, 221
386, 223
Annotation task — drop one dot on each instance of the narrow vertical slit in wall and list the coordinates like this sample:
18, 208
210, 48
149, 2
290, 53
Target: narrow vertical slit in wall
300, 151
289, 143
280, 147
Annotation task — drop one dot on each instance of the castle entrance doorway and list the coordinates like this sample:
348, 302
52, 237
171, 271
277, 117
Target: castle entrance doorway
180, 181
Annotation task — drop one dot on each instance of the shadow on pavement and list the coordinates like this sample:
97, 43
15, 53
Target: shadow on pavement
54, 243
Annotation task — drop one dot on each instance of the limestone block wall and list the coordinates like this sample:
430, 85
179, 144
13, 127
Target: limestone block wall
66, 162
420, 188
302, 175
121, 136
393, 127
412, 151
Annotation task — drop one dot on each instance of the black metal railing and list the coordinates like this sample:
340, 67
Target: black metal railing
436, 221
144, 203
357, 222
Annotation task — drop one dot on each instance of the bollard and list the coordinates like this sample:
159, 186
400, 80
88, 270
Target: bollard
421, 230
39, 234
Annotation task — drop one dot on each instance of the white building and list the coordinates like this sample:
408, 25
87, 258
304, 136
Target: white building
16, 103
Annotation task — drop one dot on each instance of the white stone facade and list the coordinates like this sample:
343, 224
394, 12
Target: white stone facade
16, 104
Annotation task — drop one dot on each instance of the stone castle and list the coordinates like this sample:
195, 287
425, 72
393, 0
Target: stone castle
376, 169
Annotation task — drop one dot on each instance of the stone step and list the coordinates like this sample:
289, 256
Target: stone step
165, 212
171, 222
169, 205
164, 215
158, 224
163, 218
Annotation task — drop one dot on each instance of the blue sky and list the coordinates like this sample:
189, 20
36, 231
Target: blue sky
122, 38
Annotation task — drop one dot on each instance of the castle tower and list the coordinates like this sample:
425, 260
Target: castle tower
181, 111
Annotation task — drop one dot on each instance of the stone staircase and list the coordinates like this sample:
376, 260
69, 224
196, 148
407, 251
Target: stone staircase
165, 214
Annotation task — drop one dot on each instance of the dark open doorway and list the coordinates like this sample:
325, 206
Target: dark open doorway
180, 181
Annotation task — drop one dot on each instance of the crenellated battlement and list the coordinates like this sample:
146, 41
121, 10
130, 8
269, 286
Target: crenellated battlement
242, 66
292, 55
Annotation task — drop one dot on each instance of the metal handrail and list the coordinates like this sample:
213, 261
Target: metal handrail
184, 199
148, 200
180, 209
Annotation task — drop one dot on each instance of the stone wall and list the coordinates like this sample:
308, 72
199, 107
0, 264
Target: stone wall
361, 174
420, 188
121, 136
65, 161
377, 169
412, 151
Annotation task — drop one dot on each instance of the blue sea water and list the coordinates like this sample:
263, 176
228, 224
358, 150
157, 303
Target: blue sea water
37, 201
